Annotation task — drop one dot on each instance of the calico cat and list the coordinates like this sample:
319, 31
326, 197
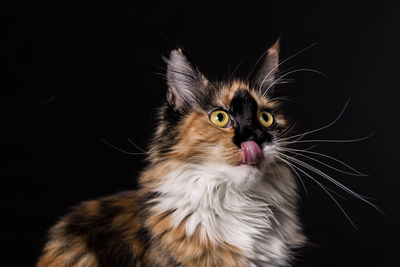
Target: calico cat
214, 192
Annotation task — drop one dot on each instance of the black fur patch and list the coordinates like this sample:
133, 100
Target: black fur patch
100, 238
244, 110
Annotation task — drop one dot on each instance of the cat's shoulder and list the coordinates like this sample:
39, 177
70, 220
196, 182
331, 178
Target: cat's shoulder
100, 212
98, 230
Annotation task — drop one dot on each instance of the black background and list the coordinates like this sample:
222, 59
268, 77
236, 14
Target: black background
74, 73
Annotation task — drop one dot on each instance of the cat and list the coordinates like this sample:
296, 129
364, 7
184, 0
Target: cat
214, 192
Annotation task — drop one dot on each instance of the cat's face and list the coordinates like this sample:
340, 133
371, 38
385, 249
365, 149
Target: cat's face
235, 123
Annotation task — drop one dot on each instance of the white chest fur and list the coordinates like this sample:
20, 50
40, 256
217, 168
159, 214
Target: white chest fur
251, 209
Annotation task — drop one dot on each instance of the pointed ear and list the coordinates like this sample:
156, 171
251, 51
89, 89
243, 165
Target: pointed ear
264, 73
185, 82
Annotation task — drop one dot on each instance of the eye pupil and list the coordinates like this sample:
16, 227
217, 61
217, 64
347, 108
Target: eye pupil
220, 117
265, 117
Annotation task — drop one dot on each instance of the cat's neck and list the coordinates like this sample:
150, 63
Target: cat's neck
227, 204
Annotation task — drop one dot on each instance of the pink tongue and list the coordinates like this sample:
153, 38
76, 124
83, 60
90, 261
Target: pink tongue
251, 152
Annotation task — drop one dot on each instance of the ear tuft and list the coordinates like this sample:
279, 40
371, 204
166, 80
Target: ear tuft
183, 80
275, 46
266, 68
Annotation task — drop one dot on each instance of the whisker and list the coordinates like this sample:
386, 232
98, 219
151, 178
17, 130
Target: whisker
132, 143
282, 62
329, 157
306, 149
329, 178
327, 188
230, 76
122, 150
327, 165
329, 140
281, 98
287, 130
157, 150
326, 191
317, 171
297, 174
290, 142
291, 72
323, 127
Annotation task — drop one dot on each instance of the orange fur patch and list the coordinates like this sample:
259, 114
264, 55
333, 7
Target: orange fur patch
75, 255
192, 250
201, 140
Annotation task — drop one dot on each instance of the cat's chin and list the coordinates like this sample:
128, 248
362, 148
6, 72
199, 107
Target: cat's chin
246, 167
245, 175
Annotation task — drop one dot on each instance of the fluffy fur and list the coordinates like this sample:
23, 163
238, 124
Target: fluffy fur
197, 204
248, 208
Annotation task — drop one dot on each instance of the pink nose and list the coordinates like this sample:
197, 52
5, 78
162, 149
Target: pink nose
251, 152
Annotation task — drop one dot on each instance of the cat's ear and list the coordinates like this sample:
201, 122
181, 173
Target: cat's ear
185, 82
266, 68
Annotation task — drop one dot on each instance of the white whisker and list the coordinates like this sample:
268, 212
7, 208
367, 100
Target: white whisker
122, 150
136, 146
297, 174
357, 173
282, 62
286, 131
299, 153
327, 165
171, 149
325, 189
329, 178
323, 127
291, 72
328, 140
281, 98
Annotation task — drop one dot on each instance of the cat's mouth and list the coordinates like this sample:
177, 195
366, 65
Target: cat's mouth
251, 153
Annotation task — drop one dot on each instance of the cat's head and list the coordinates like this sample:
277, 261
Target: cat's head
236, 123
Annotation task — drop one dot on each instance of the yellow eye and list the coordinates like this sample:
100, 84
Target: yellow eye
220, 118
265, 118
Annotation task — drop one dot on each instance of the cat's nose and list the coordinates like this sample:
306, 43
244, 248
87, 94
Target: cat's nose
252, 134
248, 133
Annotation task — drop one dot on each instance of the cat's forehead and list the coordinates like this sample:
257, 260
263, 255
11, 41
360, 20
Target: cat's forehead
229, 90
